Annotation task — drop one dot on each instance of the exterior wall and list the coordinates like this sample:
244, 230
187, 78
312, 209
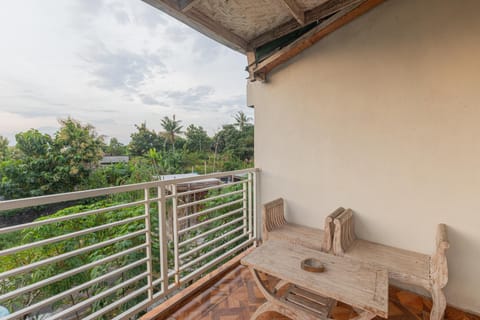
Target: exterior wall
383, 116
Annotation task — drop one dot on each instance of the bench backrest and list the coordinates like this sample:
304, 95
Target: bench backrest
344, 235
273, 216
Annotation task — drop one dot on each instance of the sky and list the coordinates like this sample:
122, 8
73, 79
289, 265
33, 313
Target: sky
112, 64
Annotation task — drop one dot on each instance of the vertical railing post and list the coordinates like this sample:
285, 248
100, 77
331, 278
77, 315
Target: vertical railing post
148, 239
245, 207
162, 234
175, 234
255, 218
250, 204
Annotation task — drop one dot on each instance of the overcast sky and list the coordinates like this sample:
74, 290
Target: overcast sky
113, 64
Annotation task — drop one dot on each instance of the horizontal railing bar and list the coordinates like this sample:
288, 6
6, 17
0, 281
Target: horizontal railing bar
206, 244
209, 210
79, 195
70, 254
133, 310
223, 195
220, 186
208, 254
215, 261
54, 298
71, 216
101, 295
156, 199
201, 235
69, 273
228, 214
159, 294
156, 282
72, 196
69, 235
209, 176
117, 303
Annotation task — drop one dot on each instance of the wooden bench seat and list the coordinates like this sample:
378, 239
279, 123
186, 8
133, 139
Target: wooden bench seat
275, 226
308, 237
400, 263
339, 238
429, 272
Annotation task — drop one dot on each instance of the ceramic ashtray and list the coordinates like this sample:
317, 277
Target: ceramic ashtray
312, 265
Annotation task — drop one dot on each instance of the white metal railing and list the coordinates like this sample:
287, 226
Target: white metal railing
115, 251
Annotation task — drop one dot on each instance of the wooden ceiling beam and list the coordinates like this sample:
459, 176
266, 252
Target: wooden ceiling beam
199, 17
185, 5
322, 11
296, 10
261, 69
200, 22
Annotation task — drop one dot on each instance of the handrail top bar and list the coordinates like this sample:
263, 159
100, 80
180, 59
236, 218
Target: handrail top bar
84, 194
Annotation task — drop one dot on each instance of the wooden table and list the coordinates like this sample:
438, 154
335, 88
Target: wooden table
361, 285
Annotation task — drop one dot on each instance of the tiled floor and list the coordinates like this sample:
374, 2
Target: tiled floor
236, 297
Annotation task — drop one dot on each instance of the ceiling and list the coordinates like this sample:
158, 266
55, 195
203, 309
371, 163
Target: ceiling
279, 28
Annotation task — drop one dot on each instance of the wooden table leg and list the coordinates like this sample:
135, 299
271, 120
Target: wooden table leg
276, 305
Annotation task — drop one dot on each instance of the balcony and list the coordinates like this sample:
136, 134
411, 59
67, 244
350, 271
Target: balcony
159, 250
114, 253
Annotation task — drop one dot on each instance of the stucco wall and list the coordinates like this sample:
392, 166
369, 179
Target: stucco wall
383, 116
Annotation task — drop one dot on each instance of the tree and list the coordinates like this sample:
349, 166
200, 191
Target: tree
78, 149
45, 165
197, 139
241, 120
143, 140
115, 148
172, 129
3, 148
235, 142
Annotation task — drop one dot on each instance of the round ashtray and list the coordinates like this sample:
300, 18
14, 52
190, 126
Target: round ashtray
312, 265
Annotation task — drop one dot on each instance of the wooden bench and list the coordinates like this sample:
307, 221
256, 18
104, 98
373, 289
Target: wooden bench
429, 272
275, 226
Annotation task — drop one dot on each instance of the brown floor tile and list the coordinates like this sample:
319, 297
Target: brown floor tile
236, 297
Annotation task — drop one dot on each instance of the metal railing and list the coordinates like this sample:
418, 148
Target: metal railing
111, 253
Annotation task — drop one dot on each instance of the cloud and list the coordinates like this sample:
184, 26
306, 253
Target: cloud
205, 48
123, 70
150, 17
91, 7
192, 96
149, 100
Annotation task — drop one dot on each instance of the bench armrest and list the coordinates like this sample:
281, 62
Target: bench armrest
344, 235
329, 229
273, 216
439, 267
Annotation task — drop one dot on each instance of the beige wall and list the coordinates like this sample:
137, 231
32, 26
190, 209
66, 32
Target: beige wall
383, 116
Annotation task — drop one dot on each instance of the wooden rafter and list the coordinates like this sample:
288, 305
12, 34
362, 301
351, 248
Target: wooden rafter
331, 24
296, 10
199, 21
318, 13
185, 5
206, 21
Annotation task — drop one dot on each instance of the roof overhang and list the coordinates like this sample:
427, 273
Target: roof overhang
268, 32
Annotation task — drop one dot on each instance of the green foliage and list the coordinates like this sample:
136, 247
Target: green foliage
3, 148
115, 148
241, 120
143, 140
45, 165
238, 143
172, 129
33, 255
197, 139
